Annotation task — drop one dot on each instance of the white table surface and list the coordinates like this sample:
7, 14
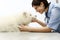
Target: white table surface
29, 36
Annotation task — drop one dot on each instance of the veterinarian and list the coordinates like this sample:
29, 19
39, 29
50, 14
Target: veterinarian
52, 13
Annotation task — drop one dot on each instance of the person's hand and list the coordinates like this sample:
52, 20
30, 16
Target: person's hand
34, 20
23, 28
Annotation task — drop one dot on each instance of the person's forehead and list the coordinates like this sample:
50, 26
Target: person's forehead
35, 6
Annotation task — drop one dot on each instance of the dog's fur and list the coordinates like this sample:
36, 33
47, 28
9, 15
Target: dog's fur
12, 23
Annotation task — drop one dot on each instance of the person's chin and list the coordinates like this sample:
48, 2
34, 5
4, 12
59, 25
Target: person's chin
41, 12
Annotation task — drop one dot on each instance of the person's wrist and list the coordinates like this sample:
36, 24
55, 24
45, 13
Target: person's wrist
29, 29
38, 21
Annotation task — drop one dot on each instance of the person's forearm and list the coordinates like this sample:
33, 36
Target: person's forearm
35, 29
43, 29
41, 23
38, 21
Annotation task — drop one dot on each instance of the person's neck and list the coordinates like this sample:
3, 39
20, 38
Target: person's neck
46, 9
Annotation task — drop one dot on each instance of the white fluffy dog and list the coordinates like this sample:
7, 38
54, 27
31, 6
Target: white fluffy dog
24, 18
12, 22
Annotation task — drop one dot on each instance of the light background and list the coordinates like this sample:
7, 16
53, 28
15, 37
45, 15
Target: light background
9, 8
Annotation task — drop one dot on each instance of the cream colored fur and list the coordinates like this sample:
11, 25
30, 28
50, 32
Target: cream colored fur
12, 22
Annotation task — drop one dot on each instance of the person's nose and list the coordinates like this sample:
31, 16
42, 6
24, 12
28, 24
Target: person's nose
37, 10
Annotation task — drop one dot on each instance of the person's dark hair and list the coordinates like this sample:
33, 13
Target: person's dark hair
37, 3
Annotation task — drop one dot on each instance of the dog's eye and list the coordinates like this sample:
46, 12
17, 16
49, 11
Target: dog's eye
24, 13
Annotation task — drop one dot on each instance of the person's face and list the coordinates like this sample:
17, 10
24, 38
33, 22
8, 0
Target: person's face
40, 8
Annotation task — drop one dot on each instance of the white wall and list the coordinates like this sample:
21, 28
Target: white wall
54, 1
59, 1
10, 8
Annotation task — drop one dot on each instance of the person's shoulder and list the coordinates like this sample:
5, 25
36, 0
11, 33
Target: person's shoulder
56, 5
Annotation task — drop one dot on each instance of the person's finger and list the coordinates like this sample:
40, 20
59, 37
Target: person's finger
20, 28
22, 25
33, 19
